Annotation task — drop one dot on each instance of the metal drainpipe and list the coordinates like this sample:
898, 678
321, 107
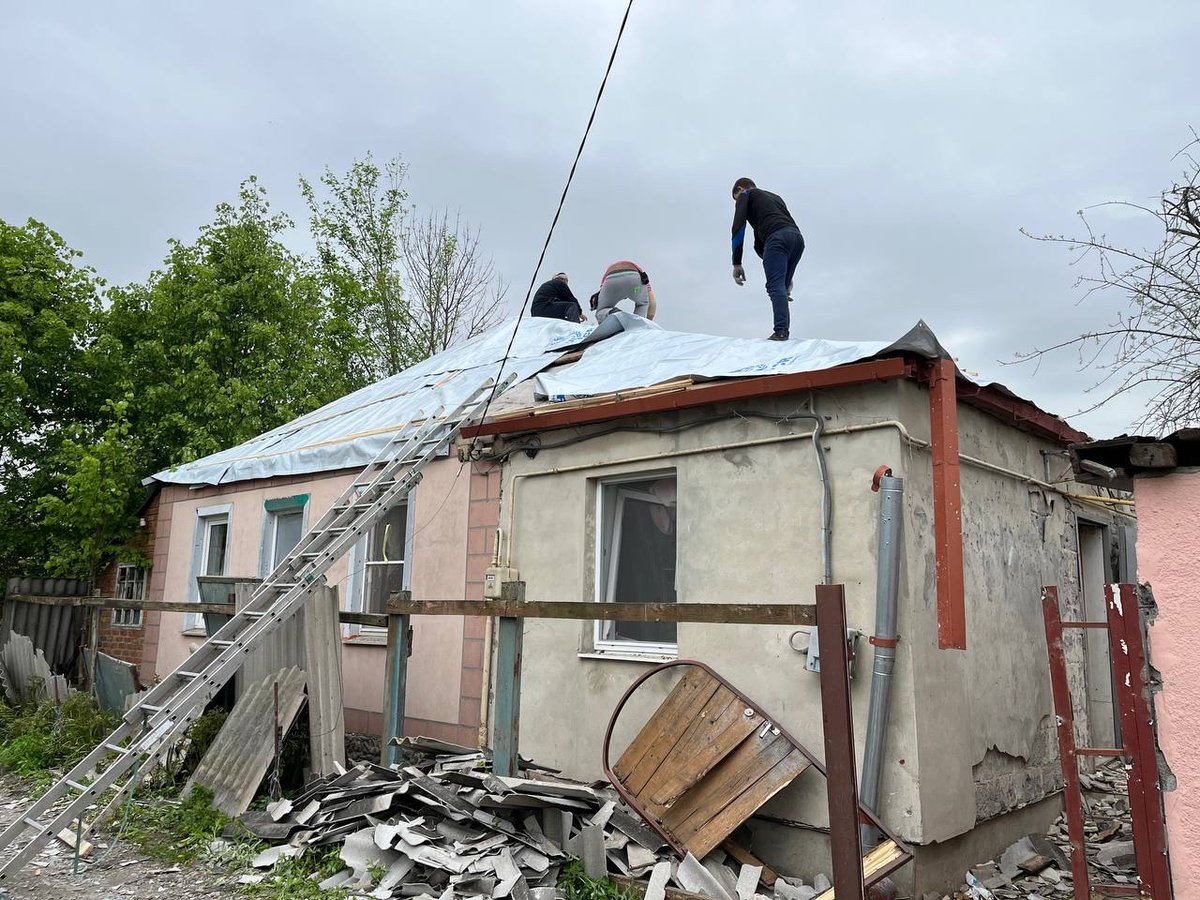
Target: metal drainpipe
887, 586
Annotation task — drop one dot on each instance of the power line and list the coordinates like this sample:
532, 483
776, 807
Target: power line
561, 201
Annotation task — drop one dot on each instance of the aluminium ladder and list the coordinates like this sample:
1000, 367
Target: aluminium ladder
164, 713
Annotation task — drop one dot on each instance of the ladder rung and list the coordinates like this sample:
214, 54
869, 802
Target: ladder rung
220, 643
252, 614
151, 707
182, 674
1084, 624
29, 820
115, 748
75, 785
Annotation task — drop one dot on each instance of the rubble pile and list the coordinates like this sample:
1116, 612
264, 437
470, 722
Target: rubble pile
442, 825
1039, 865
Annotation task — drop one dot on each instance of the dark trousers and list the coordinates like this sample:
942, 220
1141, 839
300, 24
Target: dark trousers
781, 255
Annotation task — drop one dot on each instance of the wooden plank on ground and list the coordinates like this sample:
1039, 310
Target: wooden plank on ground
667, 727
743, 806
708, 742
768, 876
736, 773
681, 698
877, 862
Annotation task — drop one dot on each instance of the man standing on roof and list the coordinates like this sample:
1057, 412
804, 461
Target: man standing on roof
554, 300
777, 240
624, 280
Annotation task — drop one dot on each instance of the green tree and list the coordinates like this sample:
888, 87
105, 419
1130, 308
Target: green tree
358, 228
93, 513
49, 307
229, 340
405, 287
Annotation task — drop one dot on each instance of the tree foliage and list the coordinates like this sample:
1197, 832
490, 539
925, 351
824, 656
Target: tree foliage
1154, 342
410, 286
49, 306
235, 334
228, 340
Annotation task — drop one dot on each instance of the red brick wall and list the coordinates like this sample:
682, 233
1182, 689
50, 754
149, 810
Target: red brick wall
123, 641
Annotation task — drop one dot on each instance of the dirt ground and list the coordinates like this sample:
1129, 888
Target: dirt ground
116, 871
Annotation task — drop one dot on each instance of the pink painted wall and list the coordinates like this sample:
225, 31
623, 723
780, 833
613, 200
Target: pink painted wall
1168, 548
438, 569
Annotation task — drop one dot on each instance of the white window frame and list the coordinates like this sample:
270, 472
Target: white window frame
270, 533
125, 617
356, 580
604, 644
206, 517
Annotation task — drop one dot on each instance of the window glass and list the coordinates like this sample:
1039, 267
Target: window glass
385, 559
288, 530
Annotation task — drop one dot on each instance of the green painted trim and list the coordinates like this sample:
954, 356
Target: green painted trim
296, 501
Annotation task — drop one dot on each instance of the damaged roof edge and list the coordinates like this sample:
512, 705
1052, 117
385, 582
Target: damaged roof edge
992, 399
1129, 456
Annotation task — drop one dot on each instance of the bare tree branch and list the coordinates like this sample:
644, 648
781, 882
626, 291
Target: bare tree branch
1155, 340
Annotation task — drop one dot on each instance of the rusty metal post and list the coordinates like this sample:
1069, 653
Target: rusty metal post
1064, 717
947, 506
506, 717
399, 649
1128, 653
837, 718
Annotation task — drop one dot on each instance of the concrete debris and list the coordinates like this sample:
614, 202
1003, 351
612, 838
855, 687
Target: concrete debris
1038, 865
442, 825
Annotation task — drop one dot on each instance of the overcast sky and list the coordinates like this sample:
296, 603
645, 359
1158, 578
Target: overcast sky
911, 142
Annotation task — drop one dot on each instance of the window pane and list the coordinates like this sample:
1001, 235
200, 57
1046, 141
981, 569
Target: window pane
638, 556
214, 563
387, 537
382, 579
288, 528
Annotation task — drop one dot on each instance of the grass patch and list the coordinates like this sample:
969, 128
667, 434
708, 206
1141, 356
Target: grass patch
36, 739
293, 877
576, 885
173, 830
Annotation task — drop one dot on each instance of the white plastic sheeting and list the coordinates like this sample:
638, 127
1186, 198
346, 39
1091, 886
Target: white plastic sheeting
644, 354
349, 432
625, 352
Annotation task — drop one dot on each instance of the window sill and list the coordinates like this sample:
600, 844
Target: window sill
628, 656
195, 633
369, 637
128, 625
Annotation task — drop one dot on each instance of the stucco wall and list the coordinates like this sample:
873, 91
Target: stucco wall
969, 736
1168, 546
437, 571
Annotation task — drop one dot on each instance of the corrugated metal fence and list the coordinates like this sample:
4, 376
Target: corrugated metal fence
56, 630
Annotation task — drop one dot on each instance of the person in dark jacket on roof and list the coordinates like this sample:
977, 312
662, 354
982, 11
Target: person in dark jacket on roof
554, 300
777, 240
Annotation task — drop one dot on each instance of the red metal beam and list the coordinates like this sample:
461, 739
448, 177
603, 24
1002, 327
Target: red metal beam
947, 507
1018, 413
718, 392
1065, 719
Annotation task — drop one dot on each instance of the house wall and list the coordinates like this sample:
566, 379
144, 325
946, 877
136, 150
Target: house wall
1168, 544
128, 642
985, 726
748, 531
969, 736
437, 570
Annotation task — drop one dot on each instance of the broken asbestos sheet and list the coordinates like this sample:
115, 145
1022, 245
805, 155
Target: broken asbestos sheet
442, 825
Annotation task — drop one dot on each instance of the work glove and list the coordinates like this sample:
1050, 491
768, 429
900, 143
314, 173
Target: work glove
739, 275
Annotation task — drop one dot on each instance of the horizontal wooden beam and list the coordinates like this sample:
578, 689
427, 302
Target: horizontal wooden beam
715, 613
379, 620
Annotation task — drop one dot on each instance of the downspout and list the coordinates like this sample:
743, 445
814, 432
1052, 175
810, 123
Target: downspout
887, 588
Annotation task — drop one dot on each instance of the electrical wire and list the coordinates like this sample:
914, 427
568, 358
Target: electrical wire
561, 201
